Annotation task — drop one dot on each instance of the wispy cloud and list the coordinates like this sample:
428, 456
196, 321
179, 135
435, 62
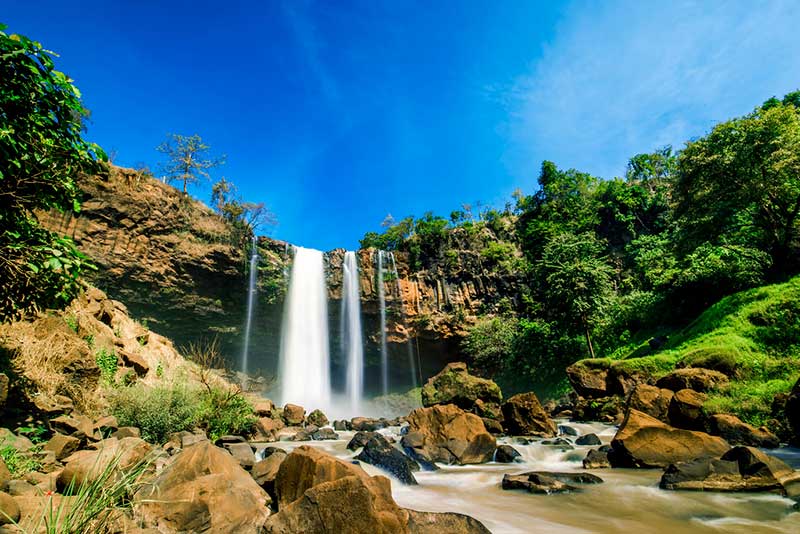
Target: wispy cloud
628, 77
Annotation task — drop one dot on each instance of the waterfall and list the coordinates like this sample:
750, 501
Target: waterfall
304, 370
352, 341
412, 363
384, 350
251, 294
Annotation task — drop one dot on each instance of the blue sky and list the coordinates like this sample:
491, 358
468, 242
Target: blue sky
337, 113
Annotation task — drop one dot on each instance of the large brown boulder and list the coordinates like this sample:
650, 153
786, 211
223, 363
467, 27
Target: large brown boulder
739, 469
294, 414
686, 410
696, 378
320, 493
737, 432
652, 400
87, 466
454, 385
523, 415
203, 490
589, 378
643, 441
447, 434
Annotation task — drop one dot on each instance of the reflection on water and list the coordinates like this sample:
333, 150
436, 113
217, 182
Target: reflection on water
629, 501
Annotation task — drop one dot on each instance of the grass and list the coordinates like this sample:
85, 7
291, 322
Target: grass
19, 463
752, 336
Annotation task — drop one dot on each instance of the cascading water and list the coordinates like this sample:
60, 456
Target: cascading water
251, 293
352, 340
384, 349
304, 371
412, 364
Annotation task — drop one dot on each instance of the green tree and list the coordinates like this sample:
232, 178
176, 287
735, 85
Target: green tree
42, 153
188, 159
576, 280
741, 182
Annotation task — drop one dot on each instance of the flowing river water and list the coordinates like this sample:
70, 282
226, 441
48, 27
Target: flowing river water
629, 501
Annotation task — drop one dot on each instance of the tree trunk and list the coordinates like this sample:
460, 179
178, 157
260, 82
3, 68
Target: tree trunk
588, 337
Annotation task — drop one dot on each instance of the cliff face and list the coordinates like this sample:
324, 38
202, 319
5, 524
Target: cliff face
177, 266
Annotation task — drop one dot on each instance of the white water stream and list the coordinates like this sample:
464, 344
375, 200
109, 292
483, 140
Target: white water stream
251, 295
352, 339
384, 348
304, 369
628, 502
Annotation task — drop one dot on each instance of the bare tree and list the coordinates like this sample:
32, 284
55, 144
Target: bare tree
188, 159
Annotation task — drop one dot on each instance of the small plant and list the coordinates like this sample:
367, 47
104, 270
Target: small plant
159, 370
156, 411
89, 339
225, 412
34, 433
107, 362
72, 322
20, 463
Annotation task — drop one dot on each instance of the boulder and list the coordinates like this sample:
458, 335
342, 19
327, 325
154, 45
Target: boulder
62, 446
5, 474
53, 405
265, 471
623, 379
88, 465
380, 453
135, 361
737, 432
454, 385
359, 439
605, 409
341, 425
686, 410
267, 429
263, 407
447, 434
320, 493
643, 441
78, 426
444, 523
544, 482
506, 454
492, 425
696, 378
588, 378
739, 469
567, 430
488, 410
317, 418
203, 490
9, 510
596, 459
127, 432
588, 439
524, 415
324, 434
652, 400
21, 443
366, 424
243, 453
106, 425
294, 414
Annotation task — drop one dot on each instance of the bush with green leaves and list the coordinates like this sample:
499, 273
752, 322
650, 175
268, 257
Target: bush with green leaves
224, 412
156, 411
42, 154
107, 362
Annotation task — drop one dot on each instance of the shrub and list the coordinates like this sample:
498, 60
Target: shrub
156, 411
224, 412
107, 362
19, 463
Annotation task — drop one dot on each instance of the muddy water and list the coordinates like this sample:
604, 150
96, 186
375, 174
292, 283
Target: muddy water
629, 501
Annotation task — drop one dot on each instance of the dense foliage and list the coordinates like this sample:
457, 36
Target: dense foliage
607, 264
42, 152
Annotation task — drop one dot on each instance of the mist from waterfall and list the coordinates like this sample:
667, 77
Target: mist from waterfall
304, 369
352, 339
384, 349
251, 294
416, 378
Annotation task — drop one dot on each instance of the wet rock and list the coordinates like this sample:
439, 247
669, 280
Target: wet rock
9, 510
62, 446
87, 465
224, 497
652, 400
588, 439
265, 471
324, 434
558, 442
544, 482
366, 424
243, 453
695, 378
454, 385
506, 454
567, 430
267, 429
588, 378
739, 469
520, 440
737, 432
317, 418
341, 426
686, 410
524, 415
294, 415
643, 441
606, 409
380, 453
596, 459
447, 434
263, 407
228, 439
359, 440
